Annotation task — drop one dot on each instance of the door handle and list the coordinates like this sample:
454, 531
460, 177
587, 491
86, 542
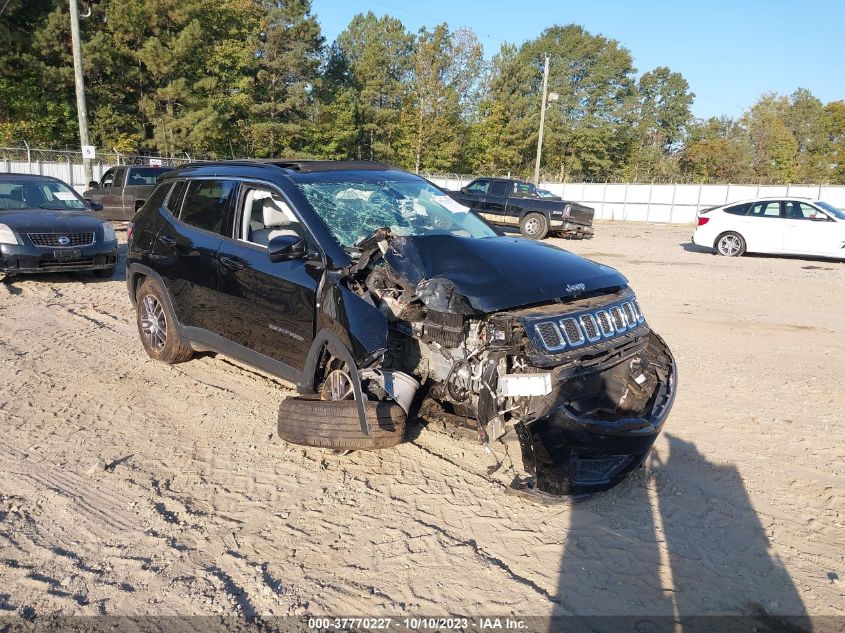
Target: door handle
231, 262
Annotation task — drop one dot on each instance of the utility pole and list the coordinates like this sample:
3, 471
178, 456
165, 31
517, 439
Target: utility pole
542, 122
81, 110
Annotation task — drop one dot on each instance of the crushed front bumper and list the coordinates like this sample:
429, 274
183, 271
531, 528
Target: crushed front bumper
570, 454
17, 259
571, 228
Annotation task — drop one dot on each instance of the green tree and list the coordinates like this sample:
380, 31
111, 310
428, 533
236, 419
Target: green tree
289, 59
773, 144
834, 122
372, 59
501, 137
588, 130
445, 70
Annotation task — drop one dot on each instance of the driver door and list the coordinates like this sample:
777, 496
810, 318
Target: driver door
809, 231
267, 307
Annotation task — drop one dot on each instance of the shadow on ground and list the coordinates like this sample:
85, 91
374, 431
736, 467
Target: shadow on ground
680, 540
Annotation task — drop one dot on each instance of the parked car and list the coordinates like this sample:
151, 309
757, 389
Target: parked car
375, 293
45, 226
123, 190
516, 203
793, 226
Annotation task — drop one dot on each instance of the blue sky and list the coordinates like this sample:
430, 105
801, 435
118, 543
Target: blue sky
729, 52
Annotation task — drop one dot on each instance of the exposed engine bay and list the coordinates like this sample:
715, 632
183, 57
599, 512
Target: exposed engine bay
545, 373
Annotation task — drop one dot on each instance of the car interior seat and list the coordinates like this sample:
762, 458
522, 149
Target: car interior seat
269, 219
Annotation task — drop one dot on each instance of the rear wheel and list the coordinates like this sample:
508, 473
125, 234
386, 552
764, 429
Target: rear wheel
157, 326
730, 244
534, 226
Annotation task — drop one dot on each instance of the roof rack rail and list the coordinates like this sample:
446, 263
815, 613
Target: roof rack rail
309, 166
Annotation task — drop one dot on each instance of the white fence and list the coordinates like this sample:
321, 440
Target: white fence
668, 203
673, 203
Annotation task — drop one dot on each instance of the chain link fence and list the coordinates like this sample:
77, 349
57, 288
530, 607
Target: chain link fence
674, 201
67, 165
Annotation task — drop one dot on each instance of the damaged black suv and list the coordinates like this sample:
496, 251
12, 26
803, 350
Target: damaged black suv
381, 298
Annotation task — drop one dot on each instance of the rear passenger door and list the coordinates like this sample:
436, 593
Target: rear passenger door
186, 249
764, 227
267, 307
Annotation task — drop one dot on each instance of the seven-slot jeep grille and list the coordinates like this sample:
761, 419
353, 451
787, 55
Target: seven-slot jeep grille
55, 239
556, 333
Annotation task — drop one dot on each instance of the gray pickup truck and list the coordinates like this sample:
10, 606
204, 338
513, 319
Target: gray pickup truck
518, 204
123, 190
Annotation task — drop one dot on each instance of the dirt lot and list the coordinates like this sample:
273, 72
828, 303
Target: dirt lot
131, 487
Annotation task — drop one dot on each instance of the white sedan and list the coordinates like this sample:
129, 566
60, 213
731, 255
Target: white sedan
792, 226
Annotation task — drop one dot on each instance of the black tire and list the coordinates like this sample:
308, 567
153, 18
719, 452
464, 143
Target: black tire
104, 273
335, 424
534, 226
730, 244
170, 348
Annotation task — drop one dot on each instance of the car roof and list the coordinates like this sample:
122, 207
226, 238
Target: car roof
29, 177
764, 199
304, 166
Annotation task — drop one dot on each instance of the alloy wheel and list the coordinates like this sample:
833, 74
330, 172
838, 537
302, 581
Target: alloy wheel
337, 386
730, 245
153, 323
532, 226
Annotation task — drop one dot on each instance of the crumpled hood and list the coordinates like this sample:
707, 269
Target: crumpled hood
47, 221
467, 275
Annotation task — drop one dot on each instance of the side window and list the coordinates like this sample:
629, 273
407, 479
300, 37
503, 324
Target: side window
498, 188
108, 179
156, 200
119, 177
264, 214
206, 203
767, 209
803, 211
174, 200
479, 186
738, 209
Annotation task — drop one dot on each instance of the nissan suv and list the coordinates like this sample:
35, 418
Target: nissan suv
382, 299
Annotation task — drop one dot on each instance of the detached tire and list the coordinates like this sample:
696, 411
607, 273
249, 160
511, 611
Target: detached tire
335, 423
534, 226
157, 326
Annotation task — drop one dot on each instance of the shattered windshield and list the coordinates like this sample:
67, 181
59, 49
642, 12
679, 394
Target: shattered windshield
354, 208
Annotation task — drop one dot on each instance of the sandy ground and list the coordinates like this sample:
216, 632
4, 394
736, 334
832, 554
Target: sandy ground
131, 487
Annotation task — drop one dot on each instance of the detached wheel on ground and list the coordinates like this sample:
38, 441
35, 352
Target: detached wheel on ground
335, 424
104, 273
730, 245
534, 226
157, 326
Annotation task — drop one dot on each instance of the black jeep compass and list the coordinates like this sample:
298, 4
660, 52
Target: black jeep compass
378, 295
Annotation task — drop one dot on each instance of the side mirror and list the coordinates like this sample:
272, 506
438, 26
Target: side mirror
95, 206
93, 185
463, 189
283, 248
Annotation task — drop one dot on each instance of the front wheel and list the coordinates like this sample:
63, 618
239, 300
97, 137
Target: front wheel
730, 245
104, 273
534, 226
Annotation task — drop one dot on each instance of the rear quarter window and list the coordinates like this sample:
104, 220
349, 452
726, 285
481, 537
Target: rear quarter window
156, 200
738, 209
206, 203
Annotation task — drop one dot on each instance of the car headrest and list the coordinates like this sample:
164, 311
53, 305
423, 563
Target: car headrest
273, 215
